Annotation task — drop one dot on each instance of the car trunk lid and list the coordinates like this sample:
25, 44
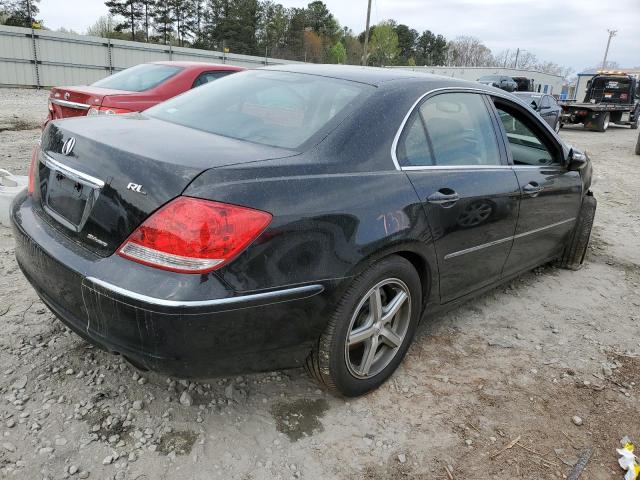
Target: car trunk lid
76, 101
101, 177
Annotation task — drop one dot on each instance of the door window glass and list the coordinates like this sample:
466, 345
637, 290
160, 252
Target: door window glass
207, 77
545, 102
447, 130
528, 146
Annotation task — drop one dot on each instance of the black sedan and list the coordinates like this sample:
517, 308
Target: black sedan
502, 82
546, 106
299, 215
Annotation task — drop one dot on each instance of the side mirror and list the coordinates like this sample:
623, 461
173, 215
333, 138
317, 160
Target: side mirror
576, 160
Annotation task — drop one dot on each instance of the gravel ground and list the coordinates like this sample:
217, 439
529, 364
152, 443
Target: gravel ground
515, 384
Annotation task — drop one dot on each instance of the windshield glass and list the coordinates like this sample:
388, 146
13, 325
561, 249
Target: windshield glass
280, 109
139, 78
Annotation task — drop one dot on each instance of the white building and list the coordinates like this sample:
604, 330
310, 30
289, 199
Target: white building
542, 82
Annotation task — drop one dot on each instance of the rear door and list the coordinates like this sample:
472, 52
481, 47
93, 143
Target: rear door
550, 194
449, 150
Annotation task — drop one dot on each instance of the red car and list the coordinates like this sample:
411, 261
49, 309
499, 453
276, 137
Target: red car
134, 89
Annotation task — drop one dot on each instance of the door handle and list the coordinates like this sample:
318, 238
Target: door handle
532, 189
444, 197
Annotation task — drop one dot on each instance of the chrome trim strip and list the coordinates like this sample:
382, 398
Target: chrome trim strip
531, 232
267, 297
478, 247
458, 167
72, 172
506, 239
67, 103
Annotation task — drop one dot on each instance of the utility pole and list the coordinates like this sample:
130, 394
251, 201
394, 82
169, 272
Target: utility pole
366, 35
515, 65
612, 33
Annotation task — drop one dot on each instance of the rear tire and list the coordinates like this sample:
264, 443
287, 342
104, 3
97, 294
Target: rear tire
576, 250
359, 350
603, 122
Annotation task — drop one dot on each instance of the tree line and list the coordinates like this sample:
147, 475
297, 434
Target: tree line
265, 27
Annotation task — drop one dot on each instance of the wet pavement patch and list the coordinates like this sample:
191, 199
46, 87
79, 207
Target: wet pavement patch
178, 442
300, 418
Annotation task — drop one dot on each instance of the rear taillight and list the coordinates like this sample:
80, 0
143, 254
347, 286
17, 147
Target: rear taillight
32, 171
107, 111
191, 235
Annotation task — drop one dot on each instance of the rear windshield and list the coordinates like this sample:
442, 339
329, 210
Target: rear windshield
280, 109
139, 78
612, 83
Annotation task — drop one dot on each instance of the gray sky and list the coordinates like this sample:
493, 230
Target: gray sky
569, 32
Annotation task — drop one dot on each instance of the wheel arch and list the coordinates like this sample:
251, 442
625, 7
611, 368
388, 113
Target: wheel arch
417, 256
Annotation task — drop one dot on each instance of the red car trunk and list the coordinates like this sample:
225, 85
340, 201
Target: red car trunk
74, 101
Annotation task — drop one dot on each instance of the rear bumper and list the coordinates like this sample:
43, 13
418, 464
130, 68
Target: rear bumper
172, 325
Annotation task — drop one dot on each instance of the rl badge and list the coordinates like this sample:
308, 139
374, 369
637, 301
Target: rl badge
136, 188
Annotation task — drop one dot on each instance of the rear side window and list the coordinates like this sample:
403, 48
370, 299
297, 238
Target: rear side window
139, 78
448, 130
207, 77
280, 109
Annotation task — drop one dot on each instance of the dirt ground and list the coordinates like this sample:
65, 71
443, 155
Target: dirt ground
518, 363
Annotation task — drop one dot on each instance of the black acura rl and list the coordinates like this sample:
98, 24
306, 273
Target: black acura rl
294, 215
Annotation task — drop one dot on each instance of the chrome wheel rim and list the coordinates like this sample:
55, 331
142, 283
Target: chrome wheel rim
378, 328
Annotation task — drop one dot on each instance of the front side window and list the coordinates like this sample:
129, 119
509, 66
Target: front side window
527, 143
139, 78
274, 108
546, 103
449, 130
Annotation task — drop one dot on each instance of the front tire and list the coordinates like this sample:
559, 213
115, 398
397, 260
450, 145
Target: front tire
370, 329
575, 252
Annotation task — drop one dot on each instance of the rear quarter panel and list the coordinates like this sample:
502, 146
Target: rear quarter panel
325, 225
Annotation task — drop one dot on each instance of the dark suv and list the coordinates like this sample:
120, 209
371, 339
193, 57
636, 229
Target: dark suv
499, 81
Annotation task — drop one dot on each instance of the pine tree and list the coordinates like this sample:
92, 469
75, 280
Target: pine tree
163, 21
20, 13
130, 10
147, 8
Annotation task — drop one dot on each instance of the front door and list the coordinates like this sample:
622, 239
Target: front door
550, 194
450, 152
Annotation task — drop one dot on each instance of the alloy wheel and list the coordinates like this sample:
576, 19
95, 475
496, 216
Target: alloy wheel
378, 328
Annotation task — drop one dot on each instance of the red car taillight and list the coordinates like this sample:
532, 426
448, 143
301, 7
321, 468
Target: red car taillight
107, 111
32, 171
191, 235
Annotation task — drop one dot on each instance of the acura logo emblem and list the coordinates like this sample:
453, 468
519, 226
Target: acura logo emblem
67, 146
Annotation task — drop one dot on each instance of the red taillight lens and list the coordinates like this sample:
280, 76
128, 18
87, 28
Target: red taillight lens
32, 171
191, 235
113, 111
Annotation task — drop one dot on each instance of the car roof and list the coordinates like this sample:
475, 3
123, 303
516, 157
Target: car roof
370, 75
207, 65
